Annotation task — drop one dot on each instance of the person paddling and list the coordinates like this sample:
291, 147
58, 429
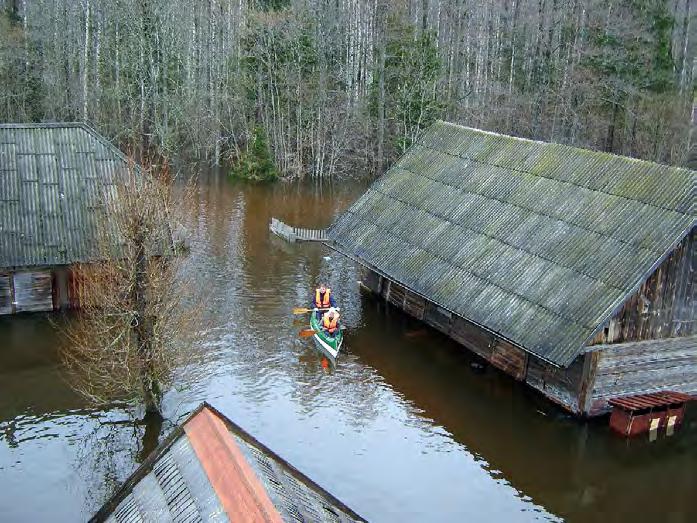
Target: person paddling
330, 322
323, 300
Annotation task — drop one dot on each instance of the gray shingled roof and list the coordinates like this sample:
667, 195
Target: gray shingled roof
53, 181
536, 242
172, 484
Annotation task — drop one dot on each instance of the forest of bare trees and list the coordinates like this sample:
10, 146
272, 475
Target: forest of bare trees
343, 86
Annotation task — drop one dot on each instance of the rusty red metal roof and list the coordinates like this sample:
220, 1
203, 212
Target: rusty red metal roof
239, 489
650, 401
209, 469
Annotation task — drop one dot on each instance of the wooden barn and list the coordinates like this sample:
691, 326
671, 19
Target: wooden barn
56, 182
570, 270
209, 469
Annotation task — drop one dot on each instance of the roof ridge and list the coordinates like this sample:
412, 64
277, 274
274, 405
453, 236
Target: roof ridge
419, 144
572, 147
41, 125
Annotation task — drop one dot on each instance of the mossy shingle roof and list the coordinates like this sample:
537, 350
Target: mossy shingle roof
54, 182
536, 242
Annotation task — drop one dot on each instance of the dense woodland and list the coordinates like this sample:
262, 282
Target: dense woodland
335, 87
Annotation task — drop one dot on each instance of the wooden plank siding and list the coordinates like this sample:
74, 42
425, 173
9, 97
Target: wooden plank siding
40, 290
665, 305
642, 367
601, 373
510, 359
551, 381
5, 294
33, 291
562, 385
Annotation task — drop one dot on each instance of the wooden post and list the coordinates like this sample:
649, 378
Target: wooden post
13, 295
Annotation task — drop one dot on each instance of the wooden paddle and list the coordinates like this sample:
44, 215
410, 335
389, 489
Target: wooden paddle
305, 310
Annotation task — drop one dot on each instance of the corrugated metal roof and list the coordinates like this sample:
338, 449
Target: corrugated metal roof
209, 469
536, 242
56, 182
650, 401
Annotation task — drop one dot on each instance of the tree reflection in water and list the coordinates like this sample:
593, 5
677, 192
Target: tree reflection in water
109, 451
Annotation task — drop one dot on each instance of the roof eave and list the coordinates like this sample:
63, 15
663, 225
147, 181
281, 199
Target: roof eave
332, 245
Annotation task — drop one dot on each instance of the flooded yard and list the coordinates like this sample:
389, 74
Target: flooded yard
408, 427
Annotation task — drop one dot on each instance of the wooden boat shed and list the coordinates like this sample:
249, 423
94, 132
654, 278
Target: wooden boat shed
56, 182
209, 469
573, 271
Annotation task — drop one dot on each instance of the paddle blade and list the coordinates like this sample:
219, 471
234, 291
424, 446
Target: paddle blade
301, 310
306, 333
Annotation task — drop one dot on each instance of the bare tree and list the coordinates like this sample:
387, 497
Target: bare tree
137, 315
323, 80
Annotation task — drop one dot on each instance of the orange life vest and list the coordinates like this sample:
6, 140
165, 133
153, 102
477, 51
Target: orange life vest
322, 302
330, 323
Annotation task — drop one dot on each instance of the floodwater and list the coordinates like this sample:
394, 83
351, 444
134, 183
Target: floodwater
405, 428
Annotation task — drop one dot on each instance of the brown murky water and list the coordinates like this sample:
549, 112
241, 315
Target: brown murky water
404, 429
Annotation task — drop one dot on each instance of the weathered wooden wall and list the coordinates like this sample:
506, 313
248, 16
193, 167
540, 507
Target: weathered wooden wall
38, 290
33, 291
666, 304
641, 367
6, 294
563, 386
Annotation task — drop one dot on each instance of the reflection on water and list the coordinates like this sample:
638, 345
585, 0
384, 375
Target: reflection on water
405, 428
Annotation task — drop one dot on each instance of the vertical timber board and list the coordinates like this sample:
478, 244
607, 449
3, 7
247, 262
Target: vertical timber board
509, 359
414, 304
561, 385
75, 287
664, 305
396, 295
371, 280
590, 369
5, 294
437, 317
33, 291
13, 294
475, 339
385, 291
61, 277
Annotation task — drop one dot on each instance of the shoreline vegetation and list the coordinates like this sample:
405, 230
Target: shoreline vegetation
324, 90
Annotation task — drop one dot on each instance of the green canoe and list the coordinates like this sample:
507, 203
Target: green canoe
326, 344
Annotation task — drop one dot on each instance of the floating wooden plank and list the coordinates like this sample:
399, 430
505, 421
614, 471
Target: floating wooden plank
295, 234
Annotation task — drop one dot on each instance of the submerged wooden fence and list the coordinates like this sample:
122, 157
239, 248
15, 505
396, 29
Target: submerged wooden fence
293, 234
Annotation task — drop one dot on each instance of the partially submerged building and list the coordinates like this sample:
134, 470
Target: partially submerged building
56, 182
209, 469
573, 271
